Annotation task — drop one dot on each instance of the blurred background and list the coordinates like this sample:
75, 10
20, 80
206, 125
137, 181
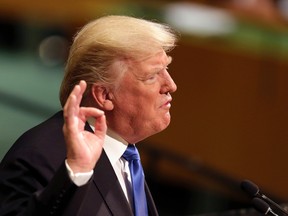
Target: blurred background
229, 114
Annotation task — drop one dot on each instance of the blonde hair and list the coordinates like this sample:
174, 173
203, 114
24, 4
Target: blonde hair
106, 40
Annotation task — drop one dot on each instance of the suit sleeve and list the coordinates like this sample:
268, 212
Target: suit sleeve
22, 194
33, 176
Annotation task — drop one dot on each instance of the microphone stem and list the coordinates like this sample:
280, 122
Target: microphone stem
271, 212
274, 204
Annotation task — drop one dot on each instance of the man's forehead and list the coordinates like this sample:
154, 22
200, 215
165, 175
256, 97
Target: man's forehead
152, 64
159, 59
161, 62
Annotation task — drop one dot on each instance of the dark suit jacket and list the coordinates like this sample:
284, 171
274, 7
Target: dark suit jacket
34, 179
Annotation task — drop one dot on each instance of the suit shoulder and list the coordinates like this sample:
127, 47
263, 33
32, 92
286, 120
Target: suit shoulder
48, 129
43, 140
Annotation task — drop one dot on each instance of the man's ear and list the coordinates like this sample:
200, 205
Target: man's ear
102, 97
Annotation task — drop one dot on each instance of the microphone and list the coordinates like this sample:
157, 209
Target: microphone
262, 207
253, 190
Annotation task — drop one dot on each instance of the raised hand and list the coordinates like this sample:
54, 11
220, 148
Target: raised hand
83, 147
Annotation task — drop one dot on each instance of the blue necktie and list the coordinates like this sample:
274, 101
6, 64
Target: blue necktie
140, 204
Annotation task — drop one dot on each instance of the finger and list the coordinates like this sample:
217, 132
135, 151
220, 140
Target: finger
79, 94
98, 115
74, 100
70, 109
100, 126
87, 112
71, 99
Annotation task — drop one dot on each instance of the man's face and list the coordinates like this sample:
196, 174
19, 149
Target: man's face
142, 100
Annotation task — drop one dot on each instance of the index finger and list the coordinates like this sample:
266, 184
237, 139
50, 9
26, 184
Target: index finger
73, 102
79, 94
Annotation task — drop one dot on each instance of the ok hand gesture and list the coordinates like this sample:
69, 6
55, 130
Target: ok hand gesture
83, 147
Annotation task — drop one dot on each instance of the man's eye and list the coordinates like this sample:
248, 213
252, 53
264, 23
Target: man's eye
152, 77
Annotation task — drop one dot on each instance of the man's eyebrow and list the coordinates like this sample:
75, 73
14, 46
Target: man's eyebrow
169, 60
157, 69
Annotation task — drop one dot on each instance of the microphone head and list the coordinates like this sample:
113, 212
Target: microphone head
261, 205
250, 188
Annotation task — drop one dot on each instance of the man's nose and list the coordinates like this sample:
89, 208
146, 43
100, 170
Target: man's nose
169, 85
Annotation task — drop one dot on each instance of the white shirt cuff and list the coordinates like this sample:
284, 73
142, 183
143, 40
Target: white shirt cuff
78, 179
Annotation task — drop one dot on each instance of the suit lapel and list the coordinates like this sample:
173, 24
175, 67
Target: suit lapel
152, 210
110, 188
107, 183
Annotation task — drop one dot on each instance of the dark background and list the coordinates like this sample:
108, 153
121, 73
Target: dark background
229, 114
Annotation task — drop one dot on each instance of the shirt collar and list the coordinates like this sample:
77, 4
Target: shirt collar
114, 145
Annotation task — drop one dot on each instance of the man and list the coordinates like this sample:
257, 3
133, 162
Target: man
115, 92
